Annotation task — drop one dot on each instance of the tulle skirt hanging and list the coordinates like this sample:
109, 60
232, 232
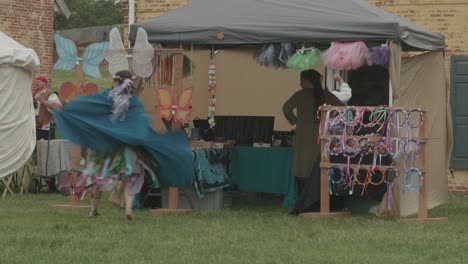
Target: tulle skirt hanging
379, 55
345, 56
305, 61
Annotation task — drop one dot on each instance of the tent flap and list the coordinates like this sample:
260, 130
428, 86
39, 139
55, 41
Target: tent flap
423, 85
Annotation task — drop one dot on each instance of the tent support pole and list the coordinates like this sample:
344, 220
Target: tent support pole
390, 93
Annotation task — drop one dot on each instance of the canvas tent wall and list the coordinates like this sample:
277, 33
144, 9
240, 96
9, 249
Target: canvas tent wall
17, 122
319, 22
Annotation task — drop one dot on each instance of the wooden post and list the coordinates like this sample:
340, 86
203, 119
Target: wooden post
173, 198
423, 203
324, 194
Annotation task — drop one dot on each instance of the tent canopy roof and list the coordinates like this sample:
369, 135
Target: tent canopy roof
275, 21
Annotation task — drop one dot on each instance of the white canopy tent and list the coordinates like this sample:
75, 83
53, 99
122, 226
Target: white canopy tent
17, 124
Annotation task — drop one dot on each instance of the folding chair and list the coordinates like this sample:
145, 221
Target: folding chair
21, 177
7, 181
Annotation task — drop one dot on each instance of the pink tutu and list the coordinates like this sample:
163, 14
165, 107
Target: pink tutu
345, 56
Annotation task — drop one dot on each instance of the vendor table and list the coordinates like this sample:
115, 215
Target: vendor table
264, 169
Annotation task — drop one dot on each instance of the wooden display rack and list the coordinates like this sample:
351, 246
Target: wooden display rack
325, 165
178, 73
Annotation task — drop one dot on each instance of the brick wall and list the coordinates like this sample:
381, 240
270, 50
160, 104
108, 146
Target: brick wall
146, 9
30, 22
449, 17
458, 182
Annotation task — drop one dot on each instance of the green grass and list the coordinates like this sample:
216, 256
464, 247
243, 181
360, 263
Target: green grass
33, 232
61, 76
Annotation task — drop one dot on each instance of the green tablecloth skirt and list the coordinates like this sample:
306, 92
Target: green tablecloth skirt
265, 170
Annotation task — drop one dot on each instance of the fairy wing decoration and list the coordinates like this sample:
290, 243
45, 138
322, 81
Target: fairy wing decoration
69, 90
116, 54
164, 102
142, 54
168, 107
93, 55
184, 106
66, 50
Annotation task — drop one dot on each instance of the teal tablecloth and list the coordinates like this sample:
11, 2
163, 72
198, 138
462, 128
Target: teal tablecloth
265, 170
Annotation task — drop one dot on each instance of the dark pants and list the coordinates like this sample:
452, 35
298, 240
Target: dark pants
308, 199
47, 135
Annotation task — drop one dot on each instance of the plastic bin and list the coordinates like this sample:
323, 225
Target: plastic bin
188, 199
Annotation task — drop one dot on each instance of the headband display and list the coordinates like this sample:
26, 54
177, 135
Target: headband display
341, 129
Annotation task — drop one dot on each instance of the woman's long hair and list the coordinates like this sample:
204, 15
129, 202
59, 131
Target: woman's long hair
315, 77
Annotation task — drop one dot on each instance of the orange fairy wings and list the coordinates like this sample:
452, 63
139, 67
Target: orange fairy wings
168, 107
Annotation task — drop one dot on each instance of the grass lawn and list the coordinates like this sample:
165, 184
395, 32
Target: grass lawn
33, 232
61, 76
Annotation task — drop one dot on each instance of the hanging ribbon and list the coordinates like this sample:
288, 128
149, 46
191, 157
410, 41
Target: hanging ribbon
212, 89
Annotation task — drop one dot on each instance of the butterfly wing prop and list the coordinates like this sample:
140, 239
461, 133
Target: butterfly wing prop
67, 53
116, 54
92, 57
185, 106
89, 88
165, 103
142, 55
68, 91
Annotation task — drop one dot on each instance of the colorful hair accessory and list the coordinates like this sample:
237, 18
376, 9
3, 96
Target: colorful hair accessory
398, 117
334, 120
390, 181
410, 180
415, 118
371, 173
334, 146
350, 116
412, 149
350, 147
212, 91
365, 146
335, 177
382, 148
379, 117
396, 147
365, 111
363, 183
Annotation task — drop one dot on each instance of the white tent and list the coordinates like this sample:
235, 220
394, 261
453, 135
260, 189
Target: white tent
17, 124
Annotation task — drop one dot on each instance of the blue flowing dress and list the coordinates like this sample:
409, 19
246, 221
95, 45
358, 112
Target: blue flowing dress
86, 121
